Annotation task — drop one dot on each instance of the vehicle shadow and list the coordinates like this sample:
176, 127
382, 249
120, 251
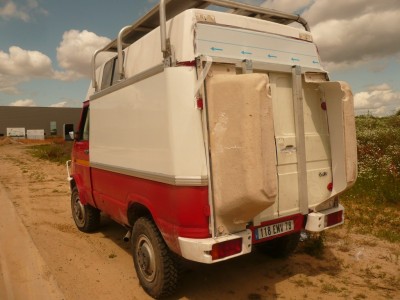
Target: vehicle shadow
115, 232
253, 276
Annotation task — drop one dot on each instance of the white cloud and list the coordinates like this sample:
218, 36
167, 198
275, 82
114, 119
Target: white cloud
74, 56
325, 10
10, 11
75, 52
380, 87
20, 62
22, 12
290, 6
19, 65
380, 100
60, 104
351, 33
24, 102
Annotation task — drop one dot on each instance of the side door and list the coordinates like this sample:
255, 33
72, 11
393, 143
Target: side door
81, 159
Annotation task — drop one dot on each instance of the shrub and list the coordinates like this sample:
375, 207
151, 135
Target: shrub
378, 142
57, 151
372, 205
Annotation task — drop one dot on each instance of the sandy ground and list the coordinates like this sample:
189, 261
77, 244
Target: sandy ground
43, 255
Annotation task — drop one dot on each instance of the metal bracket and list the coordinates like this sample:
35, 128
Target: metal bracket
300, 139
167, 54
165, 42
247, 66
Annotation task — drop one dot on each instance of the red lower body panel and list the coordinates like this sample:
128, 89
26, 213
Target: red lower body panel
177, 210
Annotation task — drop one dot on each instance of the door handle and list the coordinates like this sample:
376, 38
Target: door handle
86, 151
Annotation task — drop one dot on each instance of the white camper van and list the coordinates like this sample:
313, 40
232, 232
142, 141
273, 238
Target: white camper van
209, 133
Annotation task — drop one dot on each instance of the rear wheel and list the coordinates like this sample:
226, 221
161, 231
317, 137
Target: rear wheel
155, 265
86, 217
281, 247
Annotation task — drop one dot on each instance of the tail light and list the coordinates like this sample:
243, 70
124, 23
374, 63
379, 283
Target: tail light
225, 249
334, 218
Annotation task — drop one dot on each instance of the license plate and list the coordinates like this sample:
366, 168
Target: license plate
274, 229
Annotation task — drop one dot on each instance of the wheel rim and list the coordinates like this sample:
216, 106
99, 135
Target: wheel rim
146, 258
79, 212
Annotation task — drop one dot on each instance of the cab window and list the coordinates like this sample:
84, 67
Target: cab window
84, 126
110, 73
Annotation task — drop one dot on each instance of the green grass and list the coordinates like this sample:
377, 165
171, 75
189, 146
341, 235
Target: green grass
58, 152
373, 204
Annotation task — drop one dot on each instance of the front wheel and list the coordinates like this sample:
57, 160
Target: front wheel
155, 265
86, 217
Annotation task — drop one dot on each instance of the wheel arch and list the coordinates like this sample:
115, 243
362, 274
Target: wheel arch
137, 210
77, 182
72, 184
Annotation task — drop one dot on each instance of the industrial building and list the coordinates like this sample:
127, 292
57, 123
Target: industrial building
50, 120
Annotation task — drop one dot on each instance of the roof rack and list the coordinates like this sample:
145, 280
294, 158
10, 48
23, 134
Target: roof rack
151, 20
167, 9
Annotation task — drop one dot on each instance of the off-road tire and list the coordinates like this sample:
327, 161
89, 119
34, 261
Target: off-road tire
156, 266
281, 247
86, 217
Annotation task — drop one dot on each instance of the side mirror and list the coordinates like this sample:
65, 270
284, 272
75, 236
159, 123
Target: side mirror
71, 135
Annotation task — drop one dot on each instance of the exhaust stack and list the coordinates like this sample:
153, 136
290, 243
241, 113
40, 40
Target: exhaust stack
127, 236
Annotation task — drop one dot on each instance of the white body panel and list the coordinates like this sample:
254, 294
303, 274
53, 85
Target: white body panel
151, 126
258, 46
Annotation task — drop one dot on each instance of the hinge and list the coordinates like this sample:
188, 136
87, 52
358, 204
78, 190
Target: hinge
247, 66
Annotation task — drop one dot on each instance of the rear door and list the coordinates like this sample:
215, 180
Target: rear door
317, 146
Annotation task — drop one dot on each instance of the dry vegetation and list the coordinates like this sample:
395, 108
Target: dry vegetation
360, 260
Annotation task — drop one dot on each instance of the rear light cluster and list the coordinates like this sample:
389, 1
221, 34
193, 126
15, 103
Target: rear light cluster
225, 249
334, 218
199, 103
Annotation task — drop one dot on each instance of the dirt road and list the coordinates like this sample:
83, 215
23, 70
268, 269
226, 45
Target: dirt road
69, 264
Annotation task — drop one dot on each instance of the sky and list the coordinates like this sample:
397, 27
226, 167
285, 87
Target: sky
46, 46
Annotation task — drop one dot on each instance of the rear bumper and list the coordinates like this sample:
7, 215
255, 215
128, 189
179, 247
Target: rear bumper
319, 221
199, 250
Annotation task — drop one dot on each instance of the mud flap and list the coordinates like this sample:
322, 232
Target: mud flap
242, 147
